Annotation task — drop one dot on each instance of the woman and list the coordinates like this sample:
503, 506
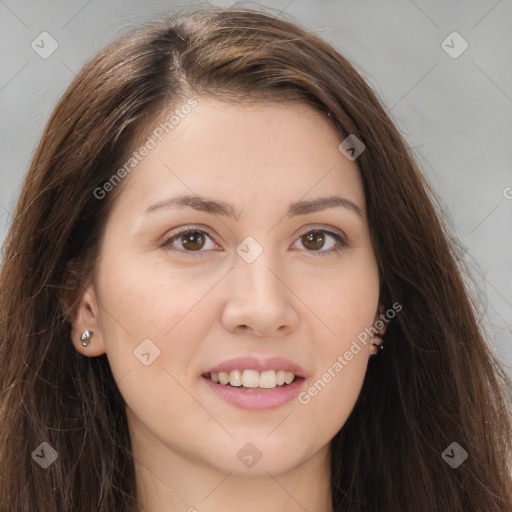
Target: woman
226, 285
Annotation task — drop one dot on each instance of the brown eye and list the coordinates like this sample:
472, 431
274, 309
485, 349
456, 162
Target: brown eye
322, 242
313, 240
193, 240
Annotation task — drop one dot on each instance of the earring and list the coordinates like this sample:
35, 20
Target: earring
86, 337
378, 345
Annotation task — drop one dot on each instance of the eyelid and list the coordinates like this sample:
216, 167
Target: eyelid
323, 227
185, 229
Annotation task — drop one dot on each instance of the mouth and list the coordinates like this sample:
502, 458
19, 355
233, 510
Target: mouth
254, 384
252, 380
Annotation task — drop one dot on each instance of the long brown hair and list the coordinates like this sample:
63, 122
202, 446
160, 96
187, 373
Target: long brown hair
435, 383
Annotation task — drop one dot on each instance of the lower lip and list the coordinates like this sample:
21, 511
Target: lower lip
256, 400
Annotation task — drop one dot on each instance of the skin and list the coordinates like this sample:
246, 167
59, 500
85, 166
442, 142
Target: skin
295, 301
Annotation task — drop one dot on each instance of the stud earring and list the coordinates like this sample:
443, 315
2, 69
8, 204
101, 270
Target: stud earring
378, 345
86, 337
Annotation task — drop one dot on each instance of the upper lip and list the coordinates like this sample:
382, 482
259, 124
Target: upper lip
253, 363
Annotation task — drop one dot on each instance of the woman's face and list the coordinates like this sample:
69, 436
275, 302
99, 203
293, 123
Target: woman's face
266, 275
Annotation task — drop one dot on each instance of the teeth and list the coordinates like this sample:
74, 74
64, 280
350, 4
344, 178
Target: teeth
250, 379
253, 379
235, 378
268, 379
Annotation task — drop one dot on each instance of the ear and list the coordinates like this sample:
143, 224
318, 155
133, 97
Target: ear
85, 316
380, 323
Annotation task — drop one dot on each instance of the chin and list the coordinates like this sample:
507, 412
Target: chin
259, 458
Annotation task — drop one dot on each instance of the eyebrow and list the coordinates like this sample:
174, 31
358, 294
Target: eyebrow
221, 208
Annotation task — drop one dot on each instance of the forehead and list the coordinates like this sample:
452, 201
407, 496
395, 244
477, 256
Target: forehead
269, 152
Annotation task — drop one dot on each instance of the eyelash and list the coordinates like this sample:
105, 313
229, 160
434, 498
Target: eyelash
198, 254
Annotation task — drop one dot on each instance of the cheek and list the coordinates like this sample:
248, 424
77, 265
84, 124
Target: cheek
327, 402
152, 331
149, 323
346, 302
150, 300
347, 307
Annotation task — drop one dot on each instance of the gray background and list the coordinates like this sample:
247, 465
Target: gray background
455, 112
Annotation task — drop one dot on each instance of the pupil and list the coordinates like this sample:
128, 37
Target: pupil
193, 240
315, 239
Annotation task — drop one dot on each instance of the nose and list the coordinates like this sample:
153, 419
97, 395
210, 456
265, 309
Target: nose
260, 302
